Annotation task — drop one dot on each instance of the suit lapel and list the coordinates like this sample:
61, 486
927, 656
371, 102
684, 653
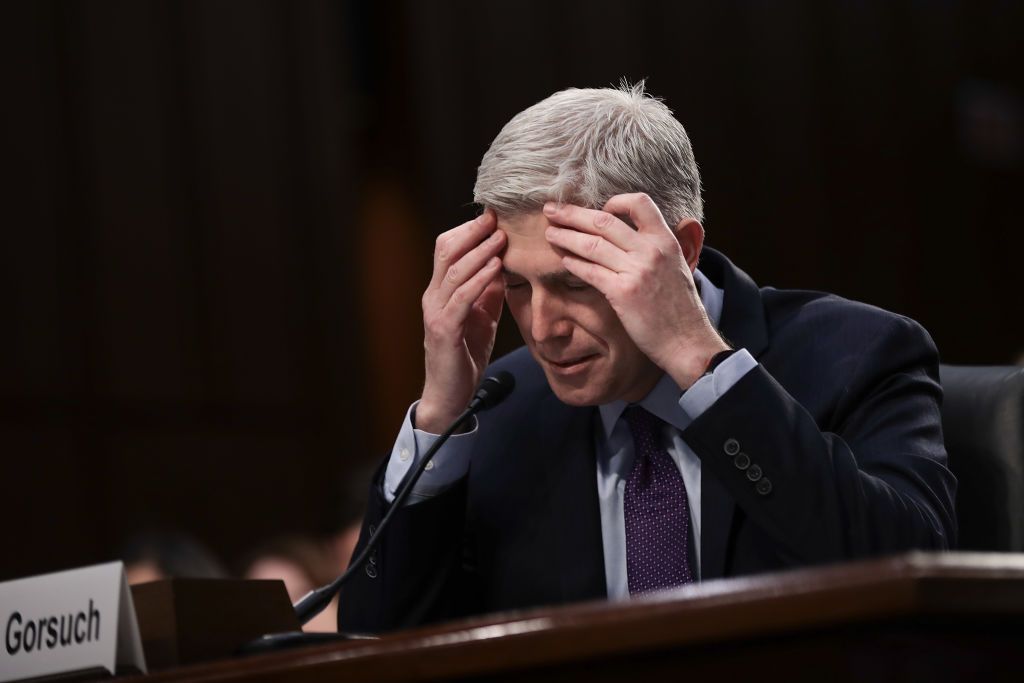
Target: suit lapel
576, 518
743, 324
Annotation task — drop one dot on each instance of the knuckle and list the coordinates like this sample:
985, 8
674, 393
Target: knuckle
452, 274
603, 219
441, 247
443, 326
432, 328
658, 255
592, 245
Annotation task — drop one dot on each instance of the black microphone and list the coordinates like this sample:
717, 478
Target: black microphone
493, 391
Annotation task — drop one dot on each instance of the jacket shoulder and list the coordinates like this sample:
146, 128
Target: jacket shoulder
816, 317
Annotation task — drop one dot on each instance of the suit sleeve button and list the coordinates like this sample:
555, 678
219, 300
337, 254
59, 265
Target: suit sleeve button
764, 487
731, 447
371, 571
754, 473
741, 461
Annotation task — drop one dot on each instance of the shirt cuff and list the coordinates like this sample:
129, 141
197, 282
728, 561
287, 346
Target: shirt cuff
449, 464
705, 391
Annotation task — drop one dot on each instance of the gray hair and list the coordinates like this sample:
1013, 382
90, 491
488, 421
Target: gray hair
583, 146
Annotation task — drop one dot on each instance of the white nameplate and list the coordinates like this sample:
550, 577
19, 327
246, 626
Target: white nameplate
70, 621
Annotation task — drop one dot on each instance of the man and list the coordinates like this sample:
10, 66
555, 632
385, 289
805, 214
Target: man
670, 423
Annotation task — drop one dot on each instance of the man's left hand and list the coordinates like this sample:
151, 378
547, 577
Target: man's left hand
645, 277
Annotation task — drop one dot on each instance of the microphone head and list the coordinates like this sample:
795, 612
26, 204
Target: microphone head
494, 390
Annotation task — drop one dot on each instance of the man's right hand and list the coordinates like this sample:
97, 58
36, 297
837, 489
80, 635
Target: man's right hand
461, 308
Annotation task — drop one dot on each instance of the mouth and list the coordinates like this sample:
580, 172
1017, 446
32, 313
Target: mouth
571, 366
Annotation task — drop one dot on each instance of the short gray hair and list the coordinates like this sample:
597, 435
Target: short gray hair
583, 146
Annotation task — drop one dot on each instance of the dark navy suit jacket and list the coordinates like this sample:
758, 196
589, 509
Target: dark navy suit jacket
841, 416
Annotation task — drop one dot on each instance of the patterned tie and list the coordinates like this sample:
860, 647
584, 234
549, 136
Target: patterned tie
657, 511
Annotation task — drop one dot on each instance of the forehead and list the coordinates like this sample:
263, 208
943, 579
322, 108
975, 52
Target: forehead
528, 249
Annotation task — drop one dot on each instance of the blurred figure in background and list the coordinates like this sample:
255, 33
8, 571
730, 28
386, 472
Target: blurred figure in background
302, 564
354, 489
156, 555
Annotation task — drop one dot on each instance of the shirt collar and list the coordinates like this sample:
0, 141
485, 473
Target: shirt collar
663, 399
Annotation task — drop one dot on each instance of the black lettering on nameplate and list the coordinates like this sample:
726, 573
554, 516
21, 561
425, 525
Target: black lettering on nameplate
23, 635
12, 634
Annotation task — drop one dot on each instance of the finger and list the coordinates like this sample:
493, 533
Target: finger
465, 296
483, 320
641, 209
453, 244
595, 275
593, 248
594, 222
493, 299
462, 270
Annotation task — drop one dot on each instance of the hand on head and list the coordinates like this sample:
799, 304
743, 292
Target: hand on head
461, 308
646, 276
643, 274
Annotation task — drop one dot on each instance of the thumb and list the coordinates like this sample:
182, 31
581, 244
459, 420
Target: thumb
492, 300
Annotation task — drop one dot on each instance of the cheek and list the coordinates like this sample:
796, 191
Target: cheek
599, 321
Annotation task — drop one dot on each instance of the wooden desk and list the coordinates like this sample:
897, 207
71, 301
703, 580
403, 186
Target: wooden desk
917, 617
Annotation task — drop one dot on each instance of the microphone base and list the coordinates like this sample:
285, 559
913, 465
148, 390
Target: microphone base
277, 642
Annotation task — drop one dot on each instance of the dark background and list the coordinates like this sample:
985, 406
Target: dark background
217, 217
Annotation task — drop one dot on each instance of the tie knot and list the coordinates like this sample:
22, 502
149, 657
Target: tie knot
643, 424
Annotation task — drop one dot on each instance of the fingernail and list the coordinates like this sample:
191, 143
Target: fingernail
550, 208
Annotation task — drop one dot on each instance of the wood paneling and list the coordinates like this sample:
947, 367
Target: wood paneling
184, 348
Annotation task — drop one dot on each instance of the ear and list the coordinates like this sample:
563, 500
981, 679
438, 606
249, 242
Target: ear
690, 234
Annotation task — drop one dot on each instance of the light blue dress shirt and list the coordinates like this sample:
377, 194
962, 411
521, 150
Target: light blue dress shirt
614, 449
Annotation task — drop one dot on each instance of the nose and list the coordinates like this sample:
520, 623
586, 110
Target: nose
548, 319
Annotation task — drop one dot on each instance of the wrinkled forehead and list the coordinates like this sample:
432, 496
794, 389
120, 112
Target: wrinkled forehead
528, 250
524, 226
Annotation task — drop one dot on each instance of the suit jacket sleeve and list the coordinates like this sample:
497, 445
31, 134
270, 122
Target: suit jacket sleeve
418, 572
866, 477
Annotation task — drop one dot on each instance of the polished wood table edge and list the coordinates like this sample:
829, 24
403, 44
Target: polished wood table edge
770, 604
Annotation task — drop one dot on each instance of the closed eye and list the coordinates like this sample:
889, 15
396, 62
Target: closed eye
561, 279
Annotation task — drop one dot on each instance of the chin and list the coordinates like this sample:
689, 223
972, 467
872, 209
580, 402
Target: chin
575, 399
586, 394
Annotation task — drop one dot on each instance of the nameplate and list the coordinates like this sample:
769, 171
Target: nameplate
69, 622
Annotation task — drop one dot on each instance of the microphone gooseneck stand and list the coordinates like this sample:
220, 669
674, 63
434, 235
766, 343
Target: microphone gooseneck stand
492, 391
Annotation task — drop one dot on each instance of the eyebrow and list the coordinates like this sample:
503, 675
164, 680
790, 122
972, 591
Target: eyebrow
555, 277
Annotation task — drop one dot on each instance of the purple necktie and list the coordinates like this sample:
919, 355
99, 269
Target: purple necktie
657, 511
